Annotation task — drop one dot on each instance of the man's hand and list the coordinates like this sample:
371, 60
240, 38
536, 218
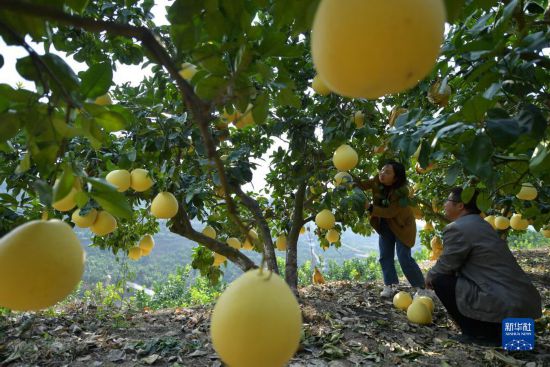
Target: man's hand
428, 281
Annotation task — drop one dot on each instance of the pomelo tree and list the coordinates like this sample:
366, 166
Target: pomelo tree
230, 84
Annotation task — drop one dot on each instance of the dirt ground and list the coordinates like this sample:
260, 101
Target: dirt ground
345, 324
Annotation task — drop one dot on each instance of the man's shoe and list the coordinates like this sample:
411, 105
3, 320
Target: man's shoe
388, 291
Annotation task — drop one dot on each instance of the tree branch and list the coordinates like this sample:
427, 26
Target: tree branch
291, 275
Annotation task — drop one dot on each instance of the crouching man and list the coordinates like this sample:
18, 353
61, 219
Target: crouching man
477, 278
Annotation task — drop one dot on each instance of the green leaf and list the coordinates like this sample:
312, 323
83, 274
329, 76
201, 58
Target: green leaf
24, 164
454, 9
286, 97
476, 156
467, 194
483, 201
183, 11
261, 108
210, 87
111, 121
503, 132
64, 185
184, 36
9, 126
109, 198
49, 68
474, 109
96, 80
452, 174
77, 5
540, 162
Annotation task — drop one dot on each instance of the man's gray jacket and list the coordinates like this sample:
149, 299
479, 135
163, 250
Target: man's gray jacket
491, 286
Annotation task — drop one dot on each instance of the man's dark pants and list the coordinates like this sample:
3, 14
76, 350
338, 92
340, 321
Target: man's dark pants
445, 287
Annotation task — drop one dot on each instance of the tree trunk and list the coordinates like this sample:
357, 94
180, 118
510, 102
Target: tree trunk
291, 270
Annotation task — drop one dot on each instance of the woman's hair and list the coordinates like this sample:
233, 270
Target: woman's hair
399, 172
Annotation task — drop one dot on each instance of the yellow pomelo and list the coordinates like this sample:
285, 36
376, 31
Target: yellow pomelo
135, 253
426, 301
120, 178
527, 192
325, 219
103, 100
280, 243
209, 231
256, 321
417, 212
369, 48
428, 227
84, 221
302, 230
145, 252
359, 119
502, 223
318, 277
518, 223
219, 259
402, 300
545, 232
247, 245
419, 313
341, 178
41, 262
436, 243
332, 236
104, 224
439, 96
140, 180
187, 71
319, 86
68, 202
246, 119
146, 243
234, 242
230, 117
491, 220
345, 158
253, 234
164, 205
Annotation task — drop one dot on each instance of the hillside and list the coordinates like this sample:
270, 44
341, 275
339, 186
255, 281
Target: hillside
345, 324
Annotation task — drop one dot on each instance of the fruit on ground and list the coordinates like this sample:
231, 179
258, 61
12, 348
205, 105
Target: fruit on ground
187, 71
518, 223
280, 243
502, 222
104, 224
427, 301
219, 259
370, 48
164, 205
318, 277
402, 300
419, 313
86, 220
135, 253
120, 178
234, 242
345, 158
209, 231
256, 321
146, 243
41, 262
527, 192
332, 236
325, 219
140, 180
319, 86
103, 100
